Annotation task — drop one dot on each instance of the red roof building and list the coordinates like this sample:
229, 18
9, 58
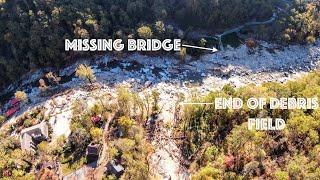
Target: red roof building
96, 119
11, 111
14, 102
13, 108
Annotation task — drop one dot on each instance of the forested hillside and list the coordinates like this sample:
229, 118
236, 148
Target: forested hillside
215, 144
220, 145
33, 31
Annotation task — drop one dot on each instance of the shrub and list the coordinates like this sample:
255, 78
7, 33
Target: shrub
207, 172
311, 39
281, 175
78, 142
250, 169
2, 119
210, 153
27, 123
44, 147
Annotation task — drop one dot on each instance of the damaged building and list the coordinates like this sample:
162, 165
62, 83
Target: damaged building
32, 136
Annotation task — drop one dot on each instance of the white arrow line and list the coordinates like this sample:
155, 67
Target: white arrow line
197, 47
190, 103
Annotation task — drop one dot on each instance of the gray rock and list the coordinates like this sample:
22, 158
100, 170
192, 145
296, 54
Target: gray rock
147, 83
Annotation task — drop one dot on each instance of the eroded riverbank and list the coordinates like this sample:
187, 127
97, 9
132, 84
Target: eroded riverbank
143, 74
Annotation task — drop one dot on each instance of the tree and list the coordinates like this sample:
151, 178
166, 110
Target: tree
281, 175
78, 142
304, 127
183, 54
124, 101
96, 133
53, 78
155, 97
44, 148
42, 85
47, 174
160, 27
303, 22
208, 172
250, 43
145, 32
202, 42
21, 96
86, 73
125, 123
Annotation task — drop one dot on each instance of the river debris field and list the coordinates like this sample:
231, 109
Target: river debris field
166, 74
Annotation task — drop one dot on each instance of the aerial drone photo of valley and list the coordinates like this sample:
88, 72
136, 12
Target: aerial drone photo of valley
159, 89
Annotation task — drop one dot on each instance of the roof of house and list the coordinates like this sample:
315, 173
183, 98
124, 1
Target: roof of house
14, 101
96, 119
11, 111
115, 166
93, 150
39, 128
27, 135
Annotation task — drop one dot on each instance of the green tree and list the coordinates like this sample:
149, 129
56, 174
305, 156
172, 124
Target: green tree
96, 134
125, 123
207, 173
86, 73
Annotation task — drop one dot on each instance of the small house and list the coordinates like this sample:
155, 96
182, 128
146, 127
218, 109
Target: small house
32, 136
114, 168
92, 153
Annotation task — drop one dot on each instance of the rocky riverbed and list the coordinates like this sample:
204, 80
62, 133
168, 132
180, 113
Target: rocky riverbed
166, 74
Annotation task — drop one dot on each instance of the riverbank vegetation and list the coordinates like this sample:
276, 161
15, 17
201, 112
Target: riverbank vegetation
219, 144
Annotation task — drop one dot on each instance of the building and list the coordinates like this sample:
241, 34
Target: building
96, 119
114, 168
14, 106
32, 136
92, 153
